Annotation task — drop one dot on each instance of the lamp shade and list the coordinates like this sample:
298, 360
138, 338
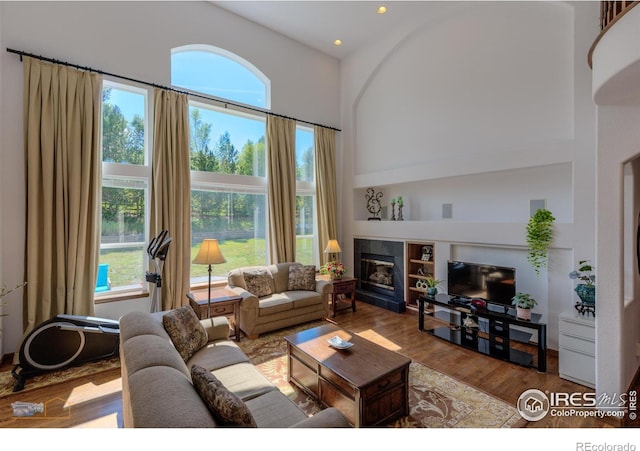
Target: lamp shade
333, 247
209, 253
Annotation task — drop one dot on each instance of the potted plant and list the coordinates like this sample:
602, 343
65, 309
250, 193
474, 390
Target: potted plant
524, 303
335, 270
432, 285
539, 238
586, 291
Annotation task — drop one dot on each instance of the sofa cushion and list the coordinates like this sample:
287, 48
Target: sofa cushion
226, 407
245, 380
218, 355
302, 277
187, 333
276, 303
274, 410
259, 282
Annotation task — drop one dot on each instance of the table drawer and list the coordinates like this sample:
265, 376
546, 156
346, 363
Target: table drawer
220, 309
336, 380
330, 395
343, 289
383, 384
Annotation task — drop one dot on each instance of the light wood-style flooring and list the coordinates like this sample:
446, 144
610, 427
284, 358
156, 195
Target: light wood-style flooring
95, 401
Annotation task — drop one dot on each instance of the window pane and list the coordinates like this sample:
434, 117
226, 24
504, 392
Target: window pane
122, 242
123, 126
217, 75
305, 168
237, 221
304, 230
226, 143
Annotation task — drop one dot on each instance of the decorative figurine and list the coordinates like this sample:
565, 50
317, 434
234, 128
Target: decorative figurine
400, 205
373, 204
393, 209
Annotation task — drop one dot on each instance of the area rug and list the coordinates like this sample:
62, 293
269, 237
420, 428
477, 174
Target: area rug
7, 381
435, 399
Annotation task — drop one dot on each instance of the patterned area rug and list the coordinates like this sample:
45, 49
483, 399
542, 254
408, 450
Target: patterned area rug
435, 399
7, 381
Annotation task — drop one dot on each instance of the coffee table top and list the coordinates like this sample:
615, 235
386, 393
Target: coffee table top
363, 363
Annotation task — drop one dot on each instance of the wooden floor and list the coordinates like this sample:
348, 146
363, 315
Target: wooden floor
95, 401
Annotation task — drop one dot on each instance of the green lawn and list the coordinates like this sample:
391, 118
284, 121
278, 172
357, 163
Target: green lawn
126, 265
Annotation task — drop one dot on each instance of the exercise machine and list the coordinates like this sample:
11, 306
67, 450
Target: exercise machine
157, 251
65, 340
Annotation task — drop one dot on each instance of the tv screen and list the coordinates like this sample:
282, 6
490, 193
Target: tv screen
492, 283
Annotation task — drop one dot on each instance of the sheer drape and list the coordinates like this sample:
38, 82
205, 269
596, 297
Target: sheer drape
62, 110
281, 166
326, 192
171, 192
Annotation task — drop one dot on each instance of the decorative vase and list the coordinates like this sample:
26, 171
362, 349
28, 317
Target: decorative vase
586, 293
336, 276
432, 291
523, 313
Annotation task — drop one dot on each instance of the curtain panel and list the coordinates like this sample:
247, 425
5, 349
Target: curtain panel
326, 192
281, 167
171, 192
62, 127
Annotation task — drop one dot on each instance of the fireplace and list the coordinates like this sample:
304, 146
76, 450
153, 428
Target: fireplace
379, 267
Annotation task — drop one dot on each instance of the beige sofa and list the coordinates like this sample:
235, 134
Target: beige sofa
157, 391
281, 308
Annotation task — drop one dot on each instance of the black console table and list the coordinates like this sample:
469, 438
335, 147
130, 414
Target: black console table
493, 330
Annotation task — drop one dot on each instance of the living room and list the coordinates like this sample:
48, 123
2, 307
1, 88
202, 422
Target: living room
477, 107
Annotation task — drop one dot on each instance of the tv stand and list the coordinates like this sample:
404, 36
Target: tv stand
498, 334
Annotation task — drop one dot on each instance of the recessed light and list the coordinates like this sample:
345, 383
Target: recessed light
382, 9
337, 42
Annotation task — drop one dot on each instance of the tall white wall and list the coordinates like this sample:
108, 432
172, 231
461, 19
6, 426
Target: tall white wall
485, 106
135, 39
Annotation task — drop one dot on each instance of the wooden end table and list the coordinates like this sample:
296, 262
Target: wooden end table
224, 302
342, 287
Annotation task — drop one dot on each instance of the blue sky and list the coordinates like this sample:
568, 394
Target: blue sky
205, 72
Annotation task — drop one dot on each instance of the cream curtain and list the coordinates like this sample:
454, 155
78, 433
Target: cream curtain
326, 192
62, 110
281, 167
171, 192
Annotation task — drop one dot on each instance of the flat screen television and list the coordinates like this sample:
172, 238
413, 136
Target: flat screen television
495, 284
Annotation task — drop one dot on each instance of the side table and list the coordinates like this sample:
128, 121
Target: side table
341, 287
224, 302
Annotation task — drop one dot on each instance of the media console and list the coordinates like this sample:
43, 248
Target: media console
492, 331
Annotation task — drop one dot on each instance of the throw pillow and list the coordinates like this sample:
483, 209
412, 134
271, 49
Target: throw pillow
225, 406
187, 333
302, 277
258, 282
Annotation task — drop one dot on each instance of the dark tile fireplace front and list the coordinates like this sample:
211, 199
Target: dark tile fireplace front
379, 267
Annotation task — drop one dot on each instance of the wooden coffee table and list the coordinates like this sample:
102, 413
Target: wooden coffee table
367, 383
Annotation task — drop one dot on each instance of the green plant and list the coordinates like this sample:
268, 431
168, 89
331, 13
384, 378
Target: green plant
523, 300
584, 273
433, 282
539, 238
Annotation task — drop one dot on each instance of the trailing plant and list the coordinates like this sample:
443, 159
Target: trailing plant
539, 238
432, 282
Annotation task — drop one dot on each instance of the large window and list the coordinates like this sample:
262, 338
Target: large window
125, 188
306, 239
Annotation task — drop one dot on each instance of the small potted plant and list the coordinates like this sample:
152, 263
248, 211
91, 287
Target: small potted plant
335, 270
524, 303
539, 238
586, 291
432, 285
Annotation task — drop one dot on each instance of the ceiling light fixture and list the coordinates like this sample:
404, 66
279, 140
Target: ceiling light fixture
337, 42
382, 9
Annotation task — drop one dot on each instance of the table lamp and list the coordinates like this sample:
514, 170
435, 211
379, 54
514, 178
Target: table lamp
209, 254
333, 249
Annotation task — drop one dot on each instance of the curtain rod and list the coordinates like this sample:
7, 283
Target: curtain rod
168, 88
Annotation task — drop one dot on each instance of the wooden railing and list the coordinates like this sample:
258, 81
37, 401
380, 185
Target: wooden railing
610, 12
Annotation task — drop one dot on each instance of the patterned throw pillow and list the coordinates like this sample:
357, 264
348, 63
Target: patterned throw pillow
185, 330
302, 277
258, 282
226, 407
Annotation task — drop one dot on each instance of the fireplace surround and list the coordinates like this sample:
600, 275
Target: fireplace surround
379, 268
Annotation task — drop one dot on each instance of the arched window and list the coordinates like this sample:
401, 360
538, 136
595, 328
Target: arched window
219, 73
